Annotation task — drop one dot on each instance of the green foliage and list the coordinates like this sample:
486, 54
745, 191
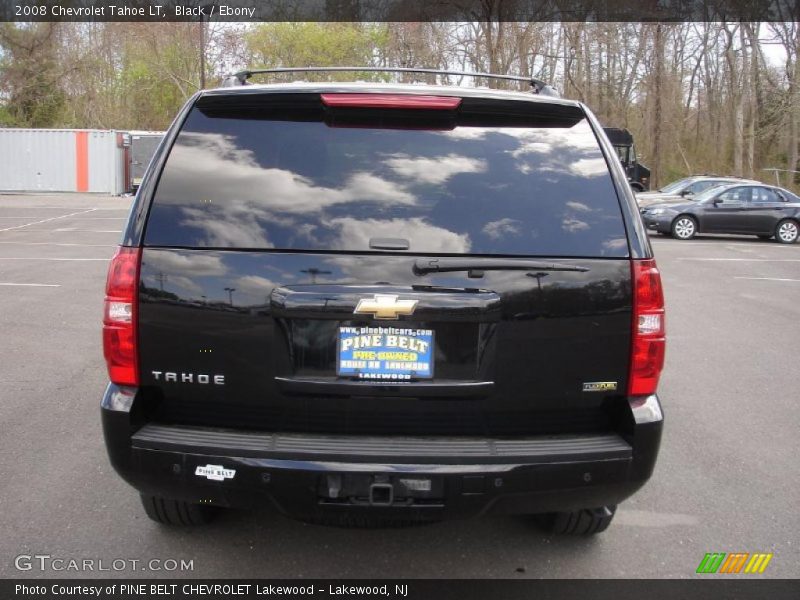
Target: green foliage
273, 45
30, 75
149, 97
134, 77
6, 118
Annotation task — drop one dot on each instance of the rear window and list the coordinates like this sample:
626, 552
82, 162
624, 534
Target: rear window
259, 172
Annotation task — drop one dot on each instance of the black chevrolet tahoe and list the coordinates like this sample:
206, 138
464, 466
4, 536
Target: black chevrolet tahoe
381, 303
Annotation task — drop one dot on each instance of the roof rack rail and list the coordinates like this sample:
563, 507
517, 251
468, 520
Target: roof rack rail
537, 85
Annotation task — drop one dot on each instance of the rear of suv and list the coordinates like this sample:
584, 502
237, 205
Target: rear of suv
377, 303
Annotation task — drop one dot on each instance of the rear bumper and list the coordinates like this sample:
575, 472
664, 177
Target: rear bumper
424, 477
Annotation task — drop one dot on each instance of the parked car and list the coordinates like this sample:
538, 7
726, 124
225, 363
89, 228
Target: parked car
750, 209
374, 303
682, 190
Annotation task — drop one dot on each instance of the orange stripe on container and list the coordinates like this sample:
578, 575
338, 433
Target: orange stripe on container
82, 161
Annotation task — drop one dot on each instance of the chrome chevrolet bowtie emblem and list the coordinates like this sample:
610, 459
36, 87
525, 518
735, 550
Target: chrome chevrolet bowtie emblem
385, 306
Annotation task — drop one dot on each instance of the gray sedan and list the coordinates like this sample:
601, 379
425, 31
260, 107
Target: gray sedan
748, 209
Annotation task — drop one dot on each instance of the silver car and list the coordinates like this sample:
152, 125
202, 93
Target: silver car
682, 190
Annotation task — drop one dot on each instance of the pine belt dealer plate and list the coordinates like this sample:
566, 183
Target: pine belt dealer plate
385, 353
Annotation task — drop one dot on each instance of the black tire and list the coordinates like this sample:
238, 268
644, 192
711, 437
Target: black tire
787, 231
684, 227
587, 521
177, 512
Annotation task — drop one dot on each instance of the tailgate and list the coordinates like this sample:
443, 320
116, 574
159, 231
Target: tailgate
509, 353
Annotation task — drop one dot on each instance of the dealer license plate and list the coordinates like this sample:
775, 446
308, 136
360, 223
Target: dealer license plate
385, 353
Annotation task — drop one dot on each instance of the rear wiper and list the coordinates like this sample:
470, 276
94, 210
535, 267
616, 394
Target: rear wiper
450, 265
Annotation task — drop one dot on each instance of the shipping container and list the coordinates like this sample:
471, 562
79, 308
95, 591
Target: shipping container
64, 160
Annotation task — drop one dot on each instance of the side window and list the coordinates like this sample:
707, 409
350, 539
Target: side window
764, 196
737, 195
700, 186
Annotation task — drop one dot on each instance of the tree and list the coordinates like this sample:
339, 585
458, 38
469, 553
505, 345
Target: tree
272, 45
30, 74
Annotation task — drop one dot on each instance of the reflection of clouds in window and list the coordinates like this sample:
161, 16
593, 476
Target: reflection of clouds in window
197, 265
579, 206
558, 150
363, 186
254, 285
582, 167
434, 169
616, 244
537, 140
589, 167
222, 228
371, 269
501, 228
172, 282
165, 266
573, 225
202, 159
356, 233
531, 148
222, 147
468, 133
543, 140
306, 231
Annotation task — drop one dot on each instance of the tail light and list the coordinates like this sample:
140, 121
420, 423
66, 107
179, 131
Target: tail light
649, 343
119, 317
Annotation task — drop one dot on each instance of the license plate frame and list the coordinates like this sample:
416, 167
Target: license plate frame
391, 355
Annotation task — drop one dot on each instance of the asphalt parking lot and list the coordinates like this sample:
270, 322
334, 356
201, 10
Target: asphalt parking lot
727, 479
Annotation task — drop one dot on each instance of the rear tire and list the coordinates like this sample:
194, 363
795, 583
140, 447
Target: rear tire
786, 231
684, 227
587, 521
177, 512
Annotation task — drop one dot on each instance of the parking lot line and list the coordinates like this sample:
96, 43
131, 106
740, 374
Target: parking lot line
50, 258
670, 243
29, 284
60, 244
26, 207
768, 279
80, 212
741, 259
71, 230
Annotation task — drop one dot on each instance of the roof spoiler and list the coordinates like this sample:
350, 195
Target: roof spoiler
537, 85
